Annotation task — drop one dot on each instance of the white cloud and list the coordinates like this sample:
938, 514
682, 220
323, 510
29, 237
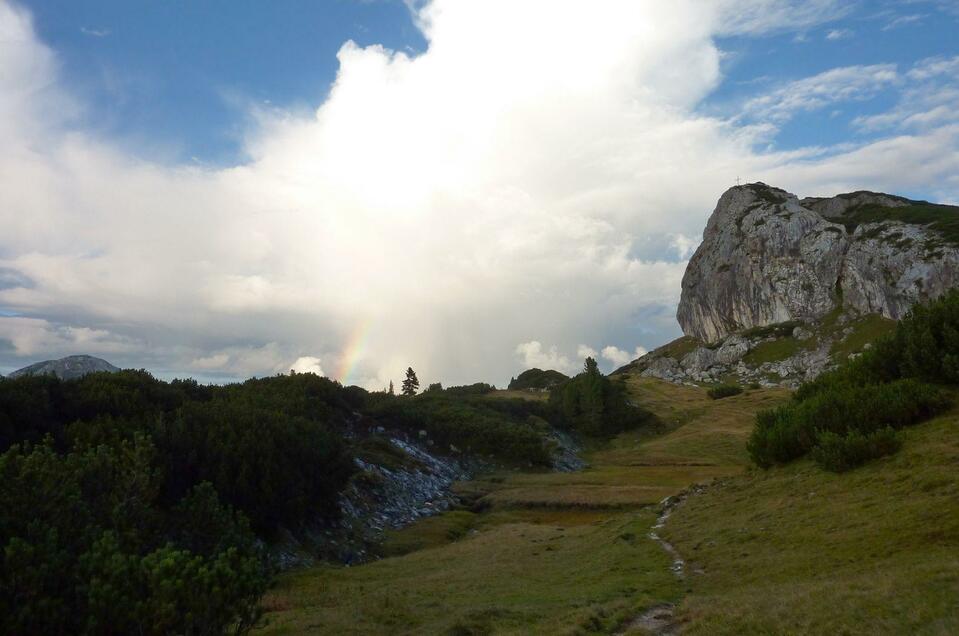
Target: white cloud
585, 351
903, 20
839, 34
37, 337
619, 357
764, 16
684, 245
434, 211
847, 83
95, 33
308, 364
934, 67
927, 101
534, 355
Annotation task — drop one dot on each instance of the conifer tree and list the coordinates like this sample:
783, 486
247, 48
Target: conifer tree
390, 391
590, 366
411, 383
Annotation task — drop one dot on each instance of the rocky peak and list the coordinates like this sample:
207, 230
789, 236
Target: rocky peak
769, 258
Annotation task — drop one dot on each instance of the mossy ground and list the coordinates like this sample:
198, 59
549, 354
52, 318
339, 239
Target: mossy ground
865, 330
773, 351
791, 550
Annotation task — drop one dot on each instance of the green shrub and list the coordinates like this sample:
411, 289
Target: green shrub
792, 430
498, 428
724, 390
537, 379
86, 547
593, 404
843, 416
478, 388
840, 453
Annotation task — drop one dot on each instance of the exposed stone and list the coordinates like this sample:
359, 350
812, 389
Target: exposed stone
768, 258
700, 359
891, 266
732, 350
663, 368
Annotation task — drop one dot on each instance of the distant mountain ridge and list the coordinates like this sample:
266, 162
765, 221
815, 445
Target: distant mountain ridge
69, 368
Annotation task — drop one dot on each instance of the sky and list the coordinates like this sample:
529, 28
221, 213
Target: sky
226, 189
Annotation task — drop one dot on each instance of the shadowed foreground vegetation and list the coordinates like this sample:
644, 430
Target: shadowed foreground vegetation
791, 549
133, 505
545, 553
853, 414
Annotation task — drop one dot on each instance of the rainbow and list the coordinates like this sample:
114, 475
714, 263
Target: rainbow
353, 351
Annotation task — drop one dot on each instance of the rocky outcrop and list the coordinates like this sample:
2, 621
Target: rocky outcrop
781, 356
769, 258
889, 267
417, 482
69, 368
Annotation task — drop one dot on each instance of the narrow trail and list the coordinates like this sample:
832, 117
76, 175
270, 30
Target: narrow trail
668, 505
661, 619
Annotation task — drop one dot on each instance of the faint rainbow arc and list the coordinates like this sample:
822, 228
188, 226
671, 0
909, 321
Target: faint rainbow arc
353, 351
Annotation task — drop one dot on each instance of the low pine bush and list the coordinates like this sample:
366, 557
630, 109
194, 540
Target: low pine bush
839, 412
840, 453
850, 415
724, 390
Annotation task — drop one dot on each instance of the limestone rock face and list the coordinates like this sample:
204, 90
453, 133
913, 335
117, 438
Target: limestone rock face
891, 266
768, 258
764, 259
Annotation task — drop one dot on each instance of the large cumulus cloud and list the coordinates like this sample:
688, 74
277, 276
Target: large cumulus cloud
537, 175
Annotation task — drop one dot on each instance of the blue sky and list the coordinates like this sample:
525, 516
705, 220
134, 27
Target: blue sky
487, 186
897, 33
178, 76
175, 79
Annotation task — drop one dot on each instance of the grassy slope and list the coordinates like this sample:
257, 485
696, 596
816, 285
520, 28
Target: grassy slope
555, 553
791, 550
799, 550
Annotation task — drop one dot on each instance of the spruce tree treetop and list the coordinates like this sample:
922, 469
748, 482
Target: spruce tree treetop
590, 366
411, 383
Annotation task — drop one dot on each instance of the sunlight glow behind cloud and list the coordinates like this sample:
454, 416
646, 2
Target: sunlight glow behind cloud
488, 192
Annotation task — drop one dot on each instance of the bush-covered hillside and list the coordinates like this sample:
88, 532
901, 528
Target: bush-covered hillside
593, 404
139, 505
537, 379
124, 493
129, 505
851, 415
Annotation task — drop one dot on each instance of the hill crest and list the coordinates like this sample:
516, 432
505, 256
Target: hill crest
68, 368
